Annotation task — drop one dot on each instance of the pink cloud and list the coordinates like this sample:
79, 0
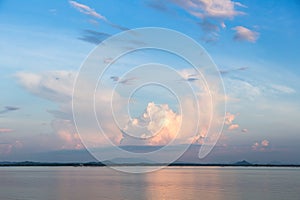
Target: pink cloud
233, 127
6, 130
260, 146
7, 148
229, 118
265, 143
66, 132
159, 124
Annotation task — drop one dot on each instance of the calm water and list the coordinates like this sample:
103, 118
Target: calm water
209, 183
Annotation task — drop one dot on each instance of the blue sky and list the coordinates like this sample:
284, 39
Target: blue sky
254, 44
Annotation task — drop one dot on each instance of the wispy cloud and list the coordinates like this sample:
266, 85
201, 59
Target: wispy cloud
245, 34
158, 5
87, 10
6, 130
125, 81
226, 71
283, 89
91, 12
239, 89
208, 26
52, 85
189, 75
93, 37
8, 109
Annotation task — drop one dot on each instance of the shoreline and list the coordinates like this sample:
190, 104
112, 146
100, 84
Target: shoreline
99, 164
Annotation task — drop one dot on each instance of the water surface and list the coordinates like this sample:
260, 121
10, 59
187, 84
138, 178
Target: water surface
209, 183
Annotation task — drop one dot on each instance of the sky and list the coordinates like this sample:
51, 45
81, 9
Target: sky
253, 44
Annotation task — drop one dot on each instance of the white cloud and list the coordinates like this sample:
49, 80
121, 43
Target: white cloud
56, 86
52, 85
91, 12
87, 10
245, 34
283, 89
159, 124
212, 14
210, 8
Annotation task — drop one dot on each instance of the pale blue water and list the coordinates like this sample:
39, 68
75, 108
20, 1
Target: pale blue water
209, 183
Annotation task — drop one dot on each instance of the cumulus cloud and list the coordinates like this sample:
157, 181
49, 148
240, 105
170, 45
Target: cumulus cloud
229, 119
260, 146
159, 124
66, 131
245, 34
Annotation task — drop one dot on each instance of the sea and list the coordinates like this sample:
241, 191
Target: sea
100, 183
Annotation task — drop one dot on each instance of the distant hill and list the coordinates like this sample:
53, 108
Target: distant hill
139, 162
243, 163
128, 161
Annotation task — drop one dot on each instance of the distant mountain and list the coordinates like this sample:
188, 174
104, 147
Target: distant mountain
134, 162
128, 161
243, 163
